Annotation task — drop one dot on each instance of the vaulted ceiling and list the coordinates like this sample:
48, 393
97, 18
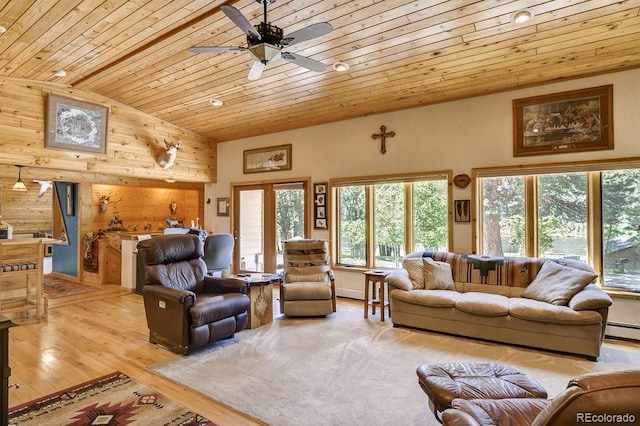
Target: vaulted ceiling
402, 54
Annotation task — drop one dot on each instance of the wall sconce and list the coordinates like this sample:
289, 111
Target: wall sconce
19, 185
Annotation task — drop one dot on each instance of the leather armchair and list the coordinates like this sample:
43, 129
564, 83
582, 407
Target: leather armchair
595, 398
185, 308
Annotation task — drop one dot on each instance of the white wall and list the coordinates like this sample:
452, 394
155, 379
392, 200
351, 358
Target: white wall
458, 135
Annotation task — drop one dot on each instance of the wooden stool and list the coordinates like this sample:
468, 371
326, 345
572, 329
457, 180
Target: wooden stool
375, 277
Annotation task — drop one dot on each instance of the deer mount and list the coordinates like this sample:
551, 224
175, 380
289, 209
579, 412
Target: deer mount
103, 203
167, 157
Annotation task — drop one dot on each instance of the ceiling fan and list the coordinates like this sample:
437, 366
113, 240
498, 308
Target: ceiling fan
266, 41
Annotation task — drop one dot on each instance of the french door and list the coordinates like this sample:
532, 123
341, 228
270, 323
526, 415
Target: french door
264, 215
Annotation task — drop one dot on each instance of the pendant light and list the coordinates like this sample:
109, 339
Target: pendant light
19, 185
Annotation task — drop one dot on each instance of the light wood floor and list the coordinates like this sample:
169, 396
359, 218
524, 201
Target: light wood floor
92, 335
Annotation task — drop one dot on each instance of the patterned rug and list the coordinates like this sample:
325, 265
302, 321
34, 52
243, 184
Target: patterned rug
55, 287
115, 399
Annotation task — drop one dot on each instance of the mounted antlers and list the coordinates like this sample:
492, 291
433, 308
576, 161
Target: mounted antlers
167, 157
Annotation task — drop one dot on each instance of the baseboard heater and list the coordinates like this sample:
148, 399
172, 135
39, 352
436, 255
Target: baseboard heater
627, 331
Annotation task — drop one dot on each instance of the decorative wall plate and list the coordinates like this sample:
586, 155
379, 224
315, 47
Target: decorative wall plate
461, 181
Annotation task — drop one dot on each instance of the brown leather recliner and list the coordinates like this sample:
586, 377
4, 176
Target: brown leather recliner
185, 308
596, 398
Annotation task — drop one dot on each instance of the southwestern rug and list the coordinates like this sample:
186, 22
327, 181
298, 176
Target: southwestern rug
115, 399
56, 287
346, 370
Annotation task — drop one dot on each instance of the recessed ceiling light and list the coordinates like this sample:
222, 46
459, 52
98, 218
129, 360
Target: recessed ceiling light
216, 102
340, 66
60, 73
521, 16
2, 29
170, 180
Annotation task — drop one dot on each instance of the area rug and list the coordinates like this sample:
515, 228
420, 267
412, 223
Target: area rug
115, 399
56, 287
347, 370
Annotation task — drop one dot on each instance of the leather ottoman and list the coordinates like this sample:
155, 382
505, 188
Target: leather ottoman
485, 380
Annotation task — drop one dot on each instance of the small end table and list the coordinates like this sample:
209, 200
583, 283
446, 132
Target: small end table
260, 292
374, 277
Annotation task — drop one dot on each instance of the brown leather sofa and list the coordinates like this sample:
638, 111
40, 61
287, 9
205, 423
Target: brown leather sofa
596, 399
185, 308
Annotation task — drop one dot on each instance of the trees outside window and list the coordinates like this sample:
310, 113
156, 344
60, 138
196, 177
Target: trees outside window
379, 222
561, 214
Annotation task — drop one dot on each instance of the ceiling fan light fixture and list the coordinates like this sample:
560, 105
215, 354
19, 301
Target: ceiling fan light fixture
19, 185
216, 102
265, 52
340, 66
521, 16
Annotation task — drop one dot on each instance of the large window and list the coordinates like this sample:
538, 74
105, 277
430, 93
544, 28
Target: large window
587, 212
380, 220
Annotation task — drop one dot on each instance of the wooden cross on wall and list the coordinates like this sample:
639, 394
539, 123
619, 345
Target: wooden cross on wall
383, 135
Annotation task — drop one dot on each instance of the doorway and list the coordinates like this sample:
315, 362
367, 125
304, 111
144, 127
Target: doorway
265, 215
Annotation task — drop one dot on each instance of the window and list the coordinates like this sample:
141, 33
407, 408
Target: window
380, 220
584, 211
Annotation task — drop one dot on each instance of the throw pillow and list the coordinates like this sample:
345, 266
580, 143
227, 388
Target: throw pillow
437, 275
414, 268
557, 284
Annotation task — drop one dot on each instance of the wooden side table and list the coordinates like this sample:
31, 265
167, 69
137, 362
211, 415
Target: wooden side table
374, 277
260, 292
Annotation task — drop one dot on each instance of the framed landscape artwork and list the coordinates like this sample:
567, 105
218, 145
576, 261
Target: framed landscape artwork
267, 159
75, 125
576, 121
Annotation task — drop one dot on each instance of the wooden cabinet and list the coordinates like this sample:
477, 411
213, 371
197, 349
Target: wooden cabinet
21, 280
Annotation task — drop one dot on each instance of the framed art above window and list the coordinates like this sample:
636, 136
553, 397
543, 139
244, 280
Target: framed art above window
576, 121
74, 125
267, 159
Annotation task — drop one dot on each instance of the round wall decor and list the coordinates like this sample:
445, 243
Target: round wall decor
461, 181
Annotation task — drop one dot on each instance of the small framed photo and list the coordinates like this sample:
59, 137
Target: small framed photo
320, 205
462, 210
223, 206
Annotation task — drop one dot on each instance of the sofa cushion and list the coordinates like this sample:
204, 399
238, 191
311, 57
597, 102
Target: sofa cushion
485, 304
533, 310
433, 299
414, 268
592, 297
557, 284
437, 275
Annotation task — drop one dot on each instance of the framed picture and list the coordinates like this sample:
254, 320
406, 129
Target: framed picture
462, 210
69, 199
576, 121
223, 206
75, 125
320, 205
267, 159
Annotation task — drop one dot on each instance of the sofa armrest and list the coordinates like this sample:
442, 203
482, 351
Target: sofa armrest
400, 279
222, 285
590, 298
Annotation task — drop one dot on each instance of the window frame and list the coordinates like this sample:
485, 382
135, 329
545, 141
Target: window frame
593, 169
369, 182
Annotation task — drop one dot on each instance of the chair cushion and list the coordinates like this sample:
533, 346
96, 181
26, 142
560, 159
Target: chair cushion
311, 290
214, 307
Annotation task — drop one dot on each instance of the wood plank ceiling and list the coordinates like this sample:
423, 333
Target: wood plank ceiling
402, 54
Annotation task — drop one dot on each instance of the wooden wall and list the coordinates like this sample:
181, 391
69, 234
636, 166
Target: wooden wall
141, 206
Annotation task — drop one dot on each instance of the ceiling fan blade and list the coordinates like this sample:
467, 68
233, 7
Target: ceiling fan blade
304, 62
307, 33
256, 70
215, 49
239, 19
